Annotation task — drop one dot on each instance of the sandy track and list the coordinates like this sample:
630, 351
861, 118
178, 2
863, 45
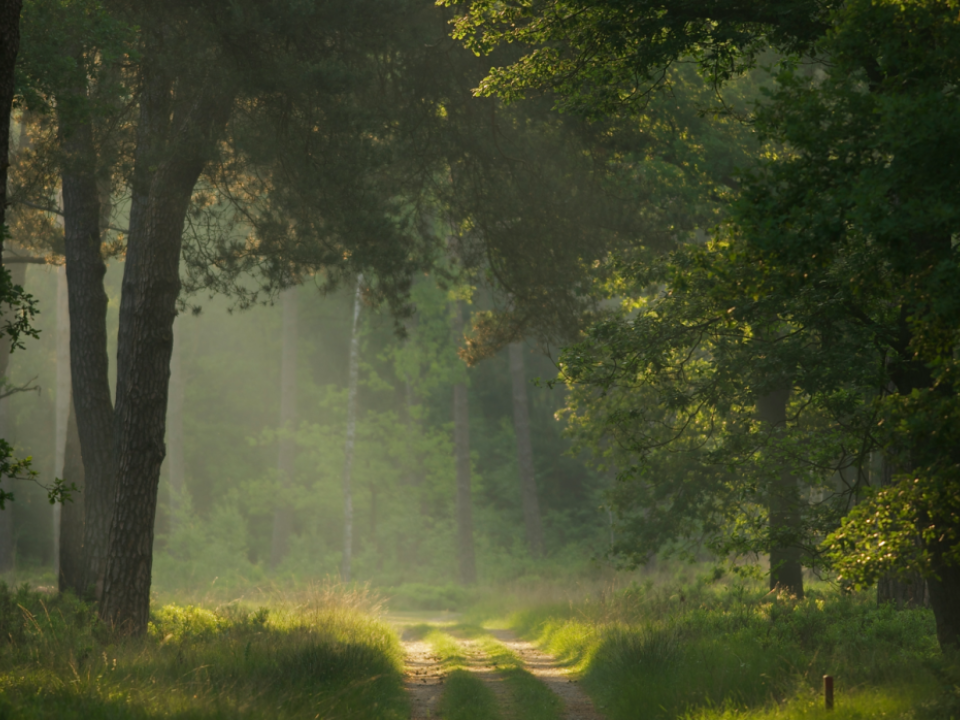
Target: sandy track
577, 706
423, 679
425, 676
478, 663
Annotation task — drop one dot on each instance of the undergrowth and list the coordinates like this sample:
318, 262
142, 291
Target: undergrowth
708, 652
318, 654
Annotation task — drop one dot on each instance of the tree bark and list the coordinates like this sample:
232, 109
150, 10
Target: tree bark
461, 447
62, 401
89, 363
175, 462
345, 566
283, 514
71, 513
9, 47
171, 151
786, 572
521, 426
18, 275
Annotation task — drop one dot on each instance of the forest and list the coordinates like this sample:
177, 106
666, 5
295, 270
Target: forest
480, 359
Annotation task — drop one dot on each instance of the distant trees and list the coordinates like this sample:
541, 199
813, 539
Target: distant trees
287, 450
838, 243
188, 76
521, 426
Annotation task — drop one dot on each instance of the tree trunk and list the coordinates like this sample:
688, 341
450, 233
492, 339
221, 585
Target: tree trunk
521, 425
461, 448
62, 401
71, 513
9, 47
345, 566
18, 275
283, 514
171, 152
175, 426
89, 364
783, 507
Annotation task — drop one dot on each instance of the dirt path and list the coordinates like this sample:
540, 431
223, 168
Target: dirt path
479, 664
577, 706
423, 679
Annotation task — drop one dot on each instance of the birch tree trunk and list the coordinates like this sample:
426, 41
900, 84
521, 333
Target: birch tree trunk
283, 514
783, 509
175, 461
521, 426
18, 275
461, 448
354, 370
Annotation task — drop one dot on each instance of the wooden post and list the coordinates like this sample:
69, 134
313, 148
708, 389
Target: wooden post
828, 692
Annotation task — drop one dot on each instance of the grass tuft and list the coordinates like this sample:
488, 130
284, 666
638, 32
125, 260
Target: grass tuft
316, 654
706, 653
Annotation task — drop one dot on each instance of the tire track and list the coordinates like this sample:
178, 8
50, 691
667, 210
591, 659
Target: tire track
577, 705
423, 679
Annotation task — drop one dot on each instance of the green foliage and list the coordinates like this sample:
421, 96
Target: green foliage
599, 57
858, 215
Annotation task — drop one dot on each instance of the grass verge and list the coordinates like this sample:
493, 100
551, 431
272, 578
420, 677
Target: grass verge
321, 656
726, 653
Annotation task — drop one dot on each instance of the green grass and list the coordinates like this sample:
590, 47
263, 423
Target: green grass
707, 653
531, 699
465, 696
315, 655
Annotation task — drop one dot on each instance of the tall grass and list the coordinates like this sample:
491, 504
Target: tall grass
316, 654
709, 652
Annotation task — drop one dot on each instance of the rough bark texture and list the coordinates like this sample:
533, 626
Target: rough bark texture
461, 449
283, 515
175, 462
786, 572
71, 514
521, 427
172, 150
9, 47
345, 565
18, 275
89, 363
62, 401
